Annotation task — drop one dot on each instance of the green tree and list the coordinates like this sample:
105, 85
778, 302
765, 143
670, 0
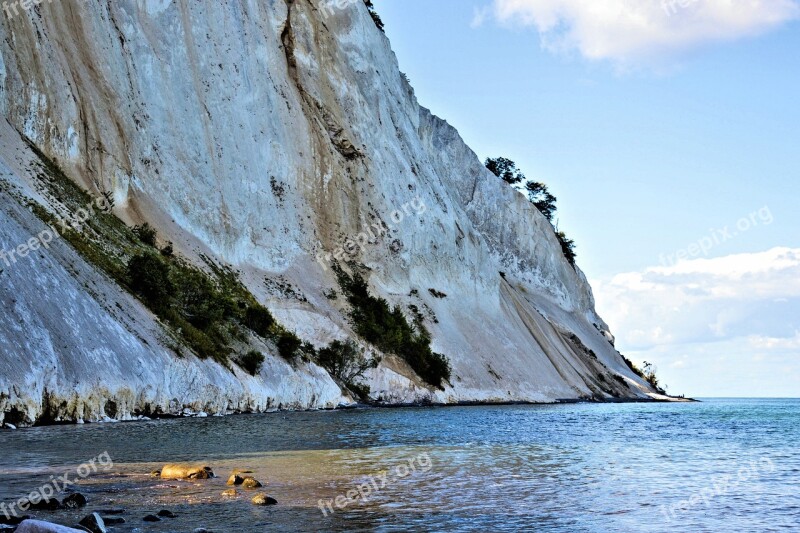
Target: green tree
197, 298
374, 14
540, 196
146, 233
252, 362
345, 360
259, 319
567, 247
505, 169
649, 370
288, 344
148, 276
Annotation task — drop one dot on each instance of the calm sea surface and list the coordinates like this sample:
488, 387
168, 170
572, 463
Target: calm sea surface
720, 465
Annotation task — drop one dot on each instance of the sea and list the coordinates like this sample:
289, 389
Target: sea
716, 465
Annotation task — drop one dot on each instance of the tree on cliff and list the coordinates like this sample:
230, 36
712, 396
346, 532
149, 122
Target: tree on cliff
374, 14
538, 194
506, 170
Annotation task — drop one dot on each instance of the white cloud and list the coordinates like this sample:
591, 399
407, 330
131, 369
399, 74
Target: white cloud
631, 32
771, 343
716, 326
705, 299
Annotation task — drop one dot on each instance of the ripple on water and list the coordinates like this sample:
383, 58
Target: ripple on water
546, 468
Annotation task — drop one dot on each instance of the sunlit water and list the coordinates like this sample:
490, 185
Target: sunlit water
735, 465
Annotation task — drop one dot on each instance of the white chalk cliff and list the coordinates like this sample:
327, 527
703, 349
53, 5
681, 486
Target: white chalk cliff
265, 134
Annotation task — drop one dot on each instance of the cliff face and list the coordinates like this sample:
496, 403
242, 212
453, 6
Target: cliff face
269, 135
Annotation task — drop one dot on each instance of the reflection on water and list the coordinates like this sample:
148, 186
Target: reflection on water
548, 468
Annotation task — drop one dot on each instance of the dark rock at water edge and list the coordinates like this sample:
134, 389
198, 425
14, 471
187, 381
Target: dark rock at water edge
235, 479
94, 523
13, 520
263, 499
74, 501
45, 505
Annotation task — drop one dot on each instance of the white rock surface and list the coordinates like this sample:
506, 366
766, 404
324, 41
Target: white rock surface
266, 134
38, 526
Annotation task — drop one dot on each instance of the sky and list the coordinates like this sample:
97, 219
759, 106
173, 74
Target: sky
670, 133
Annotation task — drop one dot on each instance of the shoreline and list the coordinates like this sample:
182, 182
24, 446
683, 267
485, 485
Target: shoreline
377, 406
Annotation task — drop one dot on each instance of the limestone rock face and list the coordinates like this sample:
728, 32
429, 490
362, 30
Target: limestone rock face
273, 136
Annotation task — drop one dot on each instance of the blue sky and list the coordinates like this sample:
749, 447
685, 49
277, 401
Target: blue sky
661, 127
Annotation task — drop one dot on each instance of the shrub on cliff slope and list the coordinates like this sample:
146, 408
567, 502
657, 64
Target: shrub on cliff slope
146, 233
346, 362
288, 344
252, 362
387, 328
149, 277
259, 319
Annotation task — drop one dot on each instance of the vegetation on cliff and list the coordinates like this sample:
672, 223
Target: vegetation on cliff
389, 330
538, 194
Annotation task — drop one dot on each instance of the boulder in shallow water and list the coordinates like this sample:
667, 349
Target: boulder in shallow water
44, 505
13, 520
37, 526
165, 513
151, 518
235, 479
230, 493
251, 483
94, 523
263, 499
186, 471
74, 501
